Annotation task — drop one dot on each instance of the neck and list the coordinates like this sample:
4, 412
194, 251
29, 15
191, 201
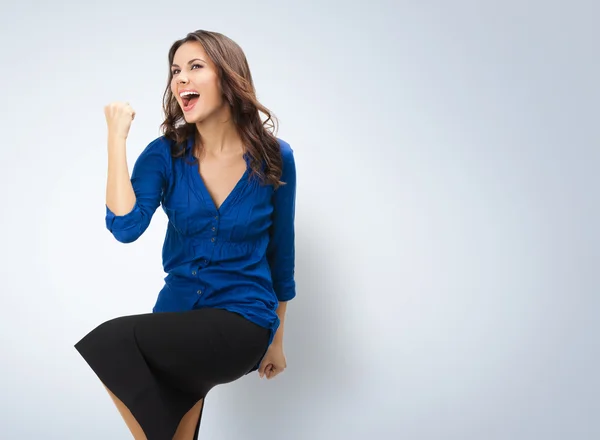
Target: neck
219, 135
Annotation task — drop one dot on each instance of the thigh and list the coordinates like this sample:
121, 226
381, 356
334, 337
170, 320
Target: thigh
198, 349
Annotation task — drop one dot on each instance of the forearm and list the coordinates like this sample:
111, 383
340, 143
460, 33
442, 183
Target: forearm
120, 197
281, 309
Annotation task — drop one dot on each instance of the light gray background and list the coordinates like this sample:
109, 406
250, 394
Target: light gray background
447, 223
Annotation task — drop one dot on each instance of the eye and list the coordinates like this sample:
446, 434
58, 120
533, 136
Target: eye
176, 71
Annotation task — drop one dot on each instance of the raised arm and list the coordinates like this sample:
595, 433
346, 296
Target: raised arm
131, 202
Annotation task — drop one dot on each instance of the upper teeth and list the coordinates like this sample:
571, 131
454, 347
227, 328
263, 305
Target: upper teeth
188, 93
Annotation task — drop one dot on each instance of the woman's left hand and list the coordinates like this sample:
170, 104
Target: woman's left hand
273, 362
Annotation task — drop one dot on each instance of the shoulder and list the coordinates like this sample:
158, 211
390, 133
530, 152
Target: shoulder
157, 151
155, 157
160, 145
288, 162
287, 153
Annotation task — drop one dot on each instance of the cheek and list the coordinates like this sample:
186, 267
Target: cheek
214, 96
211, 88
211, 97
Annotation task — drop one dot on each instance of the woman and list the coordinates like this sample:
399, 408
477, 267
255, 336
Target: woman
227, 185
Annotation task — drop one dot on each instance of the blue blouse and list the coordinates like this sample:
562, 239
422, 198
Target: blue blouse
239, 257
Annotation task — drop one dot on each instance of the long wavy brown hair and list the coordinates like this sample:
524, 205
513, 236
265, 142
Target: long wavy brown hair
238, 90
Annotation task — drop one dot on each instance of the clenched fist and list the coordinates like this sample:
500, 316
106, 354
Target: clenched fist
118, 118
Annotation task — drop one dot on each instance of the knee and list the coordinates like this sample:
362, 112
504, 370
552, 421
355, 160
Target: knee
110, 332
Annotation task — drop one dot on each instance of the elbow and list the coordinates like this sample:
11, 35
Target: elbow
127, 235
129, 227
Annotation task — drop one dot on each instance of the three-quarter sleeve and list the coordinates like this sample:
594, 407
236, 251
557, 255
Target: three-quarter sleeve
148, 179
281, 248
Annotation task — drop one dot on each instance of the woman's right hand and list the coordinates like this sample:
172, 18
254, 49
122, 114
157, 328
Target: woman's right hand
118, 118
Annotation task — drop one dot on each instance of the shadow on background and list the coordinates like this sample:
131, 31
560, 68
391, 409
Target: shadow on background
321, 366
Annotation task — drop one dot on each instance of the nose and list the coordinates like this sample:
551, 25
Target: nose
182, 79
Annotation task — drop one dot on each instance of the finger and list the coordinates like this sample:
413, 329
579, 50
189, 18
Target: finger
266, 368
277, 370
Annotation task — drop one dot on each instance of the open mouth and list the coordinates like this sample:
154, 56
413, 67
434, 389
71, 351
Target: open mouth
189, 99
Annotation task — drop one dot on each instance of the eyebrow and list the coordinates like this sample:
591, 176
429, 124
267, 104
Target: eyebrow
190, 62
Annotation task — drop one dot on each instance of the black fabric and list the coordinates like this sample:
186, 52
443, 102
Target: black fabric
161, 364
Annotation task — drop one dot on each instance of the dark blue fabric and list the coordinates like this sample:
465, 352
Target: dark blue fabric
239, 257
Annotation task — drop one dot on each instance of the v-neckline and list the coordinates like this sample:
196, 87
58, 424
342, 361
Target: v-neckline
206, 193
203, 192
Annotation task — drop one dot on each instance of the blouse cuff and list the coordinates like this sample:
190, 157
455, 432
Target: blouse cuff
123, 222
285, 291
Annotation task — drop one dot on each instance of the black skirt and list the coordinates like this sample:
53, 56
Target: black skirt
161, 364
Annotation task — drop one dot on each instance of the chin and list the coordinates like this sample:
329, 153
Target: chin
196, 117
193, 118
